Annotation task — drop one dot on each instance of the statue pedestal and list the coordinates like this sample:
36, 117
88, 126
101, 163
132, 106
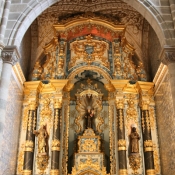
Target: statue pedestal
89, 157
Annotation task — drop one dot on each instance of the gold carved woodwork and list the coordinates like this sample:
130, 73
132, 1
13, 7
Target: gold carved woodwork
89, 166
93, 68
25, 117
156, 159
65, 125
89, 145
21, 159
57, 103
81, 106
88, 142
27, 172
36, 75
135, 162
123, 172
121, 145
112, 139
42, 162
98, 54
120, 104
131, 112
54, 172
151, 117
29, 145
150, 172
148, 145
46, 112
55, 145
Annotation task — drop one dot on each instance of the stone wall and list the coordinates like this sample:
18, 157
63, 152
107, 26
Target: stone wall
154, 50
8, 159
166, 127
25, 51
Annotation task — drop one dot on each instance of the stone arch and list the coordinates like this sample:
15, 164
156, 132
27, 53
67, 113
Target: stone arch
34, 9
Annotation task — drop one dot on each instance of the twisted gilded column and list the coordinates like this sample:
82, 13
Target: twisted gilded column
147, 139
121, 138
56, 139
30, 140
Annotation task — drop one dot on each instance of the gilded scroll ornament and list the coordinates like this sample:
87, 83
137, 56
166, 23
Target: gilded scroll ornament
148, 145
89, 145
55, 145
89, 166
42, 162
89, 51
135, 162
37, 71
131, 111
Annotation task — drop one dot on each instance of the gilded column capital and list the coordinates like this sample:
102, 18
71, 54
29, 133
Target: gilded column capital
29, 145
144, 105
121, 145
167, 55
10, 55
32, 105
58, 103
148, 145
119, 104
55, 145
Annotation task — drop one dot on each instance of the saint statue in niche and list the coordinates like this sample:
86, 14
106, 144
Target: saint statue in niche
134, 140
89, 117
42, 140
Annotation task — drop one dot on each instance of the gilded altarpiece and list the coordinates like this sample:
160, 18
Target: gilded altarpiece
88, 109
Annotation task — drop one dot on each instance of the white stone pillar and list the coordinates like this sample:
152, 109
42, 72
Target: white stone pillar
168, 57
1, 62
10, 56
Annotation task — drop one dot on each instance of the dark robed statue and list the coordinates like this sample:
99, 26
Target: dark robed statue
134, 141
89, 117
